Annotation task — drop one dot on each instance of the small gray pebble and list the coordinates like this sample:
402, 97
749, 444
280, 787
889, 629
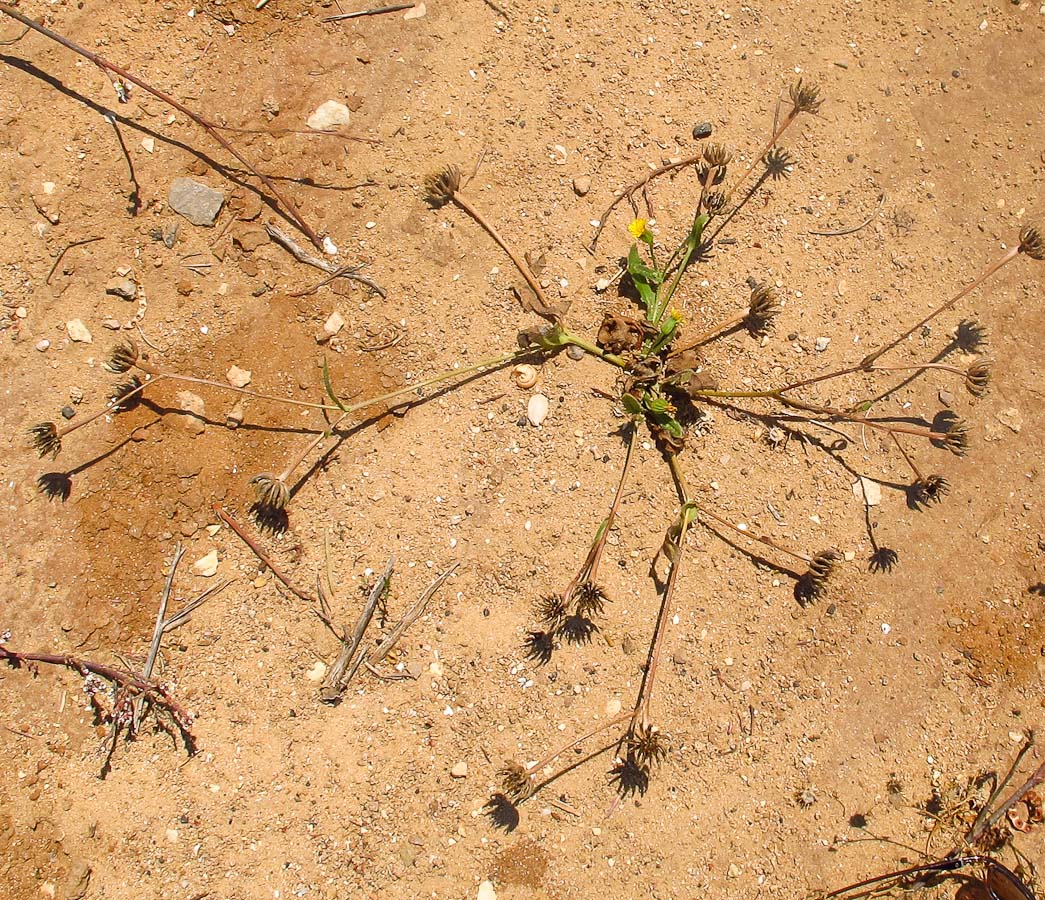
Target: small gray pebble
701, 130
956, 73
68, 412
574, 352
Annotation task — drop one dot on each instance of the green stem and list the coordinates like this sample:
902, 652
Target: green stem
588, 347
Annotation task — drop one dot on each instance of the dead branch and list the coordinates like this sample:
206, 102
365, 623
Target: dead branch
332, 269
211, 128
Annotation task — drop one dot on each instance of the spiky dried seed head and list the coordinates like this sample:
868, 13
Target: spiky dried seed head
715, 202
1032, 242
806, 797
805, 98
763, 306
441, 186
591, 600
551, 611
118, 398
978, 377
717, 155
122, 357
516, 783
931, 489
44, 439
821, 567
647, 746
957, 437
271, 492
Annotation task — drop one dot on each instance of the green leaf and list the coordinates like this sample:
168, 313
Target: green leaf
697, 231
631, 405
330, 387
657, 405
639, 271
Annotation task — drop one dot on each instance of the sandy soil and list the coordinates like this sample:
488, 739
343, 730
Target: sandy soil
789, 726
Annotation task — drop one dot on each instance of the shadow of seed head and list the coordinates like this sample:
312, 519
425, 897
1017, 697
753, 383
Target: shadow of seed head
516, 783
55, 485
44, 439
763, 307
957, 437
118, 394
970, 335
1032, 242
779, 163
441, 186
977, 377
539, 647
884, 559
270, 491
930, 489
805, 98
122, 357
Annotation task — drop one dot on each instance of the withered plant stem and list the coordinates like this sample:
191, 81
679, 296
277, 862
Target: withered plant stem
466, 204
210, 127
777, 134
158, 373
906, 456
710, 333
549, 758
868, 361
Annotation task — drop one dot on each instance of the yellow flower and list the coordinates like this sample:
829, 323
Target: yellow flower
676, 315
637, 228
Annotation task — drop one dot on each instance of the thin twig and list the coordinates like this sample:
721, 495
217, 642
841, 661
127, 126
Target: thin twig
66, 249
210, 127
301, 255
854, 228
369, 12
343, 669
157, 634
260, 554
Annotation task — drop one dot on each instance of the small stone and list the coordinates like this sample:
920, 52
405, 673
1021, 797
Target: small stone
821, 344
123, 288
78, 332
946, 398
575, 353
250, 237
417, 11
68, 412
867, 490
460, 770
213, 529
193, 405
75, 884
206, 566
112, 324
329, 115
318, 671
238, 377
537, 409
581, 185
172, 835
148, 144
486, 891
21, 312
1011, 419
184, 287
613, 707
701, 130
197, 202
849, 555
334, 323
43, 345
234, 417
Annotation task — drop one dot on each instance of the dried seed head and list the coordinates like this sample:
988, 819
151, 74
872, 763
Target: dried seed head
717, 156
715, 202
647, 746
440, 187
970, 335
931, 489
44, 439
516, 783
977, 377
551, 611
763, 307
591, 600
806, 797
821, 566
619, 334
779, 163
272, 492
118, 394
1032, 242
805, 97
957, 437
122, 357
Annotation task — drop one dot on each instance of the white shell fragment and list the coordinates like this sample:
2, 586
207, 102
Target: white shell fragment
207, 565
486, 891
537, 410
867, 490
524, 376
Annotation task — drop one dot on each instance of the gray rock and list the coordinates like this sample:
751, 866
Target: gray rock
197, 202
329, 115
701, 130
123, 288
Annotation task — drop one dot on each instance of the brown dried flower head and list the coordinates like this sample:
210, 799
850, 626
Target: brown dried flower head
717, 156
805, 97
715, 202
821, 567
931, 489
441, 186
1032, 242
957, 437
122, 357
44, 439
763, 307
978, 377
516, 783
591, 600
272, 492
647, 745
619, 334
119, 391
551, 611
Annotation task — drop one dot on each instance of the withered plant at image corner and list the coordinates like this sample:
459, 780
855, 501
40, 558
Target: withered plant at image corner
662, 385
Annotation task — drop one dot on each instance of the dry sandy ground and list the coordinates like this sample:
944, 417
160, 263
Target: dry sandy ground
887, 691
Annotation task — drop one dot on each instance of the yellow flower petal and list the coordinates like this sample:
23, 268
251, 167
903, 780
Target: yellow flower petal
637, 228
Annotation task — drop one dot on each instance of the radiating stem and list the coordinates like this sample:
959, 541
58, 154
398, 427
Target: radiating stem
549, 758
710, 333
